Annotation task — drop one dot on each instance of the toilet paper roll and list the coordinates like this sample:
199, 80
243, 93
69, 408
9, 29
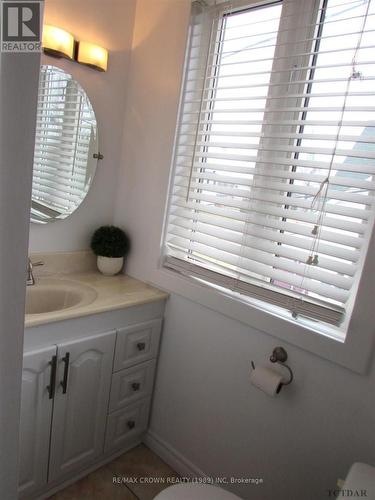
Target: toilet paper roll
267, 380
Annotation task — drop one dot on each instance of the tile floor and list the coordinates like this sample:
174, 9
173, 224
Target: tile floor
140, 462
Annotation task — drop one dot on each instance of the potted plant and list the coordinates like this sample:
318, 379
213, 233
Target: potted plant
111, 245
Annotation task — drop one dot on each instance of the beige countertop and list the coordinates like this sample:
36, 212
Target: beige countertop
110, 292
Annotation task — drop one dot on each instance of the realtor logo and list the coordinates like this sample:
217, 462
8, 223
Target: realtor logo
20, 26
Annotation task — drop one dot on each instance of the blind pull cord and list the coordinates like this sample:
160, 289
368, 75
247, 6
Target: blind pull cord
324, 186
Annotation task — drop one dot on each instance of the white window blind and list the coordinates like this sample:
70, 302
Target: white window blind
273, 188
65, 142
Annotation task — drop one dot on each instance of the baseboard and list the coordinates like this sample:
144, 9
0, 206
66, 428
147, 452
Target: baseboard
171, 456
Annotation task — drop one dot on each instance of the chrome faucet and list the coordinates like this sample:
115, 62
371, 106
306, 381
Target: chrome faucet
30, 276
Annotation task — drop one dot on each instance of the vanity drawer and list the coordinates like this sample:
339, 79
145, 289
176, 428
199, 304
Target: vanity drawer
136, 344
126, 423
132, 384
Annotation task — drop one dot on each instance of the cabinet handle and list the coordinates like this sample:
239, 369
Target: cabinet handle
130, 424
141, 346
136, 386
64, 382
52, 380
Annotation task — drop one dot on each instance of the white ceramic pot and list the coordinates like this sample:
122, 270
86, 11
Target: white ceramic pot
109, 266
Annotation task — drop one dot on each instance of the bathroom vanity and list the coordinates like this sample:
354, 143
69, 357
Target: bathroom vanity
88, 375
91, 342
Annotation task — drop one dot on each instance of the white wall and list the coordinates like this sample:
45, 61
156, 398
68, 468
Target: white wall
109, 24
204, 407
150, 119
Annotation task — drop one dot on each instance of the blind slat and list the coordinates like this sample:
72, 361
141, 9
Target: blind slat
287, 175
284, 148
338, 244
293, 247
179, 199
220, 186
360, 168
363, 138
249, 264
192, 267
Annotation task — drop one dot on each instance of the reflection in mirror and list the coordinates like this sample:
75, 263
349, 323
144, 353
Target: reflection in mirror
66, 146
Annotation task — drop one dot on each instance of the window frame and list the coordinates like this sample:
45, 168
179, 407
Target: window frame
353, 352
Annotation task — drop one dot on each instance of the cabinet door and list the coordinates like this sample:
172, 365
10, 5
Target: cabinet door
35, 421
81, 403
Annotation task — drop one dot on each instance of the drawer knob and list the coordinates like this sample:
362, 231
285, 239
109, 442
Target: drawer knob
141, 346
136, 386
130, 424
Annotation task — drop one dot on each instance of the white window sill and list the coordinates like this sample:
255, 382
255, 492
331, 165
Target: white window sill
353, 352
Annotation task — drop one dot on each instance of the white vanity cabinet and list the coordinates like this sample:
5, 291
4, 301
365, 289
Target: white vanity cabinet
85, 397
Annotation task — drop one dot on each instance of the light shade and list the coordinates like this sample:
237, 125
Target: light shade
92, 55
57, 42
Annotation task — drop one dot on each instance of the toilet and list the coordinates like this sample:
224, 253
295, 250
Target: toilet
192, 491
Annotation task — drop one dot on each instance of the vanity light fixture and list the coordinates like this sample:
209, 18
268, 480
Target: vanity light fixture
57, 42
92, 55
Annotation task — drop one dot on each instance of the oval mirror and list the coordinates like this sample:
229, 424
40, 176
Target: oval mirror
66, 146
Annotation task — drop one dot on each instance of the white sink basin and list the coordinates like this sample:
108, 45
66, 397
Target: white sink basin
51, 295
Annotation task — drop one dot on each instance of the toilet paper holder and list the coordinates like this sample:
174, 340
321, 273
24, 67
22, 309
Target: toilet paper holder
279, 356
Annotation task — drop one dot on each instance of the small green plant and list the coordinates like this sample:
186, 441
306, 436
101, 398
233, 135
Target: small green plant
110, 241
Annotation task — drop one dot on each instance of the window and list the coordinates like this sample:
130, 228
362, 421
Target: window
272, 192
